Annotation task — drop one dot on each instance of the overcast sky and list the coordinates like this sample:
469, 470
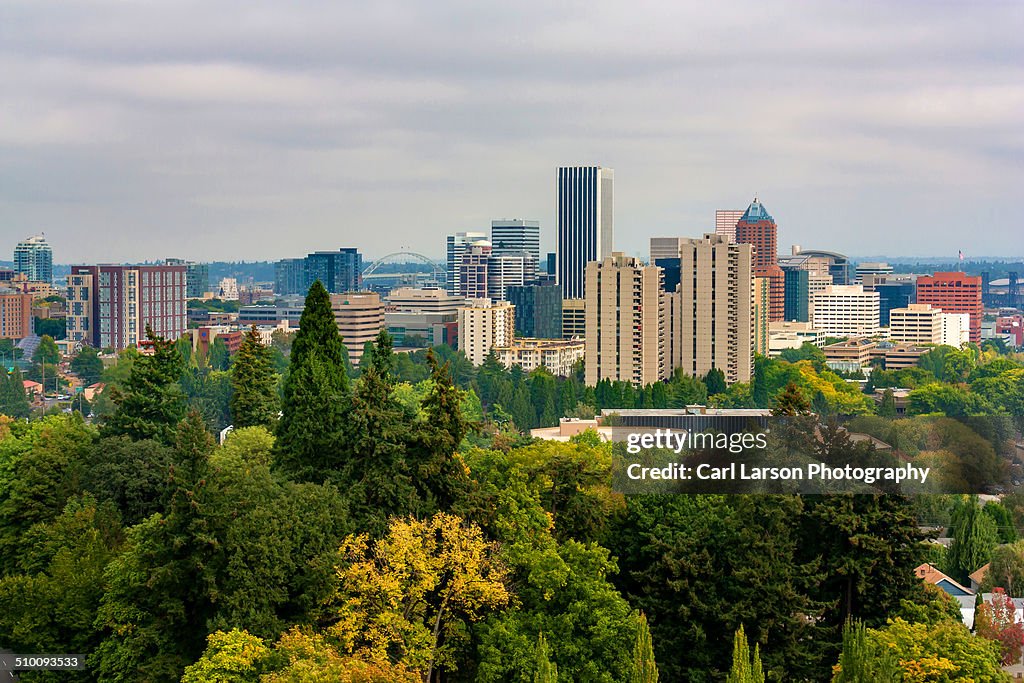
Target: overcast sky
242, 129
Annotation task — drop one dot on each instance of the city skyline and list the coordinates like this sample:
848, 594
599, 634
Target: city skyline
239, 130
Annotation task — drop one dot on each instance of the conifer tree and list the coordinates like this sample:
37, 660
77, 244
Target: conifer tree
645, 670
546, 671
13, 399
746, 668
862, 661
254, 384
791, 402
311, 432
151, 404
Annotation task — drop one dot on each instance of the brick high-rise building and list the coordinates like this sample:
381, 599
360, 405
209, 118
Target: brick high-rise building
110, 306
953, 293
757, 227
15, 314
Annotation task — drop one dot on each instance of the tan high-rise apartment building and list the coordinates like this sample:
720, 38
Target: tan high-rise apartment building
625, 313
713, 324
360, 317
484, 324
574, 318
845, 311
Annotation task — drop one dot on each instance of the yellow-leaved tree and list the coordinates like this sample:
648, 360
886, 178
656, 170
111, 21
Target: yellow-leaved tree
408, 596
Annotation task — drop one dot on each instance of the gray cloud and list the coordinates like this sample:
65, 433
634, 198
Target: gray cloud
251, 130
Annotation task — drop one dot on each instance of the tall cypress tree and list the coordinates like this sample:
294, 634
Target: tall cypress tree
151, 404
311, 432
546, 671
644, 668
253, 383
13, 400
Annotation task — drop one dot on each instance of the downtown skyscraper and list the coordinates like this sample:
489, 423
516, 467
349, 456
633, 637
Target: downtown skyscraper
584, 224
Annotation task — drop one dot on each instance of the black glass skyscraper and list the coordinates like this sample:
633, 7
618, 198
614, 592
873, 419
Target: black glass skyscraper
584, 218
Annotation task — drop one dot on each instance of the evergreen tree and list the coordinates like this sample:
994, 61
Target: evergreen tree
47, 352
546, 671
791, 401
974, 537
645, 670
13, 399
150, 404
312, 429
887, 407
746, 668
862, 661
88, 365
254, 385
715, 382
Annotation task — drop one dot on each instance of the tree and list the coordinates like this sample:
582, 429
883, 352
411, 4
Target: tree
312, 430
546, 671
407, 597
88, 365
887, 407
13, 399
862, 660
939, 652
746, 668
151, 404
715, 382
995, 620
232, 657
47, 352
974, 537
1006, 570
219, 357
254, 385
645, 670
791, 402
1003, 521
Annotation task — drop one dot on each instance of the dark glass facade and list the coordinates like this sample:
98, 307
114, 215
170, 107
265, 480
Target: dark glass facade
797, 296
538, 310
893, 295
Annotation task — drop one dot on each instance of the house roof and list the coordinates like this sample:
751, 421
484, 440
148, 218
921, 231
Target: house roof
29, 384
978, 575
927, 572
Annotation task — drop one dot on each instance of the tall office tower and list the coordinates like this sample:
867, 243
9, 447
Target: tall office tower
290, 276
715, 316
197, 276
953, 293
845, 311
110, 306
484, 324
33, 257
509, 270
756, 227
15, 315
339, 271
916, 324
359, 317
514, 236
584, 230
725, 222
956, 329
471, 272
538, 310
625, 317
457, 246
893, 294
797, 287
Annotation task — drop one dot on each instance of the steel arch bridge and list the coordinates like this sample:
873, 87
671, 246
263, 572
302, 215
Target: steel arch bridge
437, 271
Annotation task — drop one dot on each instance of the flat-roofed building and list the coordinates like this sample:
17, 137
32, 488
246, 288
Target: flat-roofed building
916, 324
625, 314
574, 318
792, 335
856, 351
15, 314
359, 317
845, 311
559, 356
956, 329
953, 293
483, 325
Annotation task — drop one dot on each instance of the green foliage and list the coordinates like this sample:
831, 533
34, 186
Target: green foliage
87, 365
714, 380
55, 328
1005, 528
1006, 570
254, 385
939, 652
317, 398
546, 671
746, 667
863, 660
13, 399
645, 670
151, 404
232, 657
47, 351
974, 537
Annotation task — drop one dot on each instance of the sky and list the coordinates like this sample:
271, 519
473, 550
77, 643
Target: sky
251, 130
